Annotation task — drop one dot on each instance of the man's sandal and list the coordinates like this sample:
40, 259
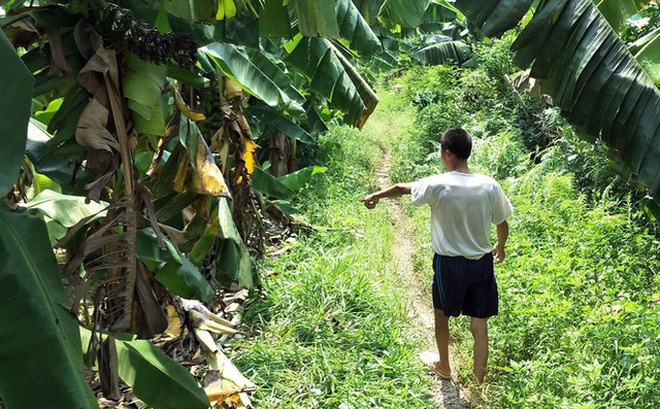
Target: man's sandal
429, 360
442, 376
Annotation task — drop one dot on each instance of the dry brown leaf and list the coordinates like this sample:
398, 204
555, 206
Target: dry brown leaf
220, 145
58, 64
152, 317
174, 321
232, 89
108, 370
91, 131
104, 164
102, 62
90, 40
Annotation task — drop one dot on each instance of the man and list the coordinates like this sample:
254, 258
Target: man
463, 206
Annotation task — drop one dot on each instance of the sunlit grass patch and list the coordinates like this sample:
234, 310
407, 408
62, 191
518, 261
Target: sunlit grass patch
331, 330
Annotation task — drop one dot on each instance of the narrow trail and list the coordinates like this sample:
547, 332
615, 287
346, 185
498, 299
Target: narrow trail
447, 394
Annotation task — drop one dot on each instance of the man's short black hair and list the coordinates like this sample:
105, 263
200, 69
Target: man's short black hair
458, 142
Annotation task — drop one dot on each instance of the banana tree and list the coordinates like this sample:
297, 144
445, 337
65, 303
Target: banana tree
107, 102
601, 88
119, 89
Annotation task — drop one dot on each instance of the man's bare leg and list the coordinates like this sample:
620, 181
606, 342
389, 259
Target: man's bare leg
479, 328
442, 338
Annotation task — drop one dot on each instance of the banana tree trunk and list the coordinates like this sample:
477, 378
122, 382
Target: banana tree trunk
282, 154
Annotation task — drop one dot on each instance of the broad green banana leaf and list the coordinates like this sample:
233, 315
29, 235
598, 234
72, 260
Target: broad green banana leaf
47, 114
157, 379
505, 16
268, 184
64, 122
226, 10
285, 187
643, 41
334, 78
593, 78
439, 17
234, 62
185, 280
617, 11
315, 122
298, 179
234, 263
494, 17
269, 119
15, 104
186, 76
407, 13
40, 346
55, 230
317, 18
41, 183
193, 10
369, 9
151, 254
354, 29
178, 274
62, 212
274, 20
55, 161
143, 88
456, 52
442, 10
67, 210
648, 56
207, 239
269, 65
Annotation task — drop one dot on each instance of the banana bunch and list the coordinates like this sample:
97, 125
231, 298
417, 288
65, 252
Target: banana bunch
209, 105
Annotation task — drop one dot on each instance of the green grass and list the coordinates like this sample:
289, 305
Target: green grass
331, 330
579, 290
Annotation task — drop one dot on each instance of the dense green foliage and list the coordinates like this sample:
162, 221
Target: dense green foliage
579, 291
150, 108
331, 331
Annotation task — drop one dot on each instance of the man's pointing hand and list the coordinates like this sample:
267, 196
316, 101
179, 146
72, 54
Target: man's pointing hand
370, 201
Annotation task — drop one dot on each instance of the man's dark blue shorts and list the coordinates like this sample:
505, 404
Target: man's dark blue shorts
462, 286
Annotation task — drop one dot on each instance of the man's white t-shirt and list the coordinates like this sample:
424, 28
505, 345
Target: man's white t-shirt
463, 207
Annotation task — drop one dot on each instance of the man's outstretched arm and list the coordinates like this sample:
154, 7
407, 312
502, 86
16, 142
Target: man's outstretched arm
502, 235
397, 190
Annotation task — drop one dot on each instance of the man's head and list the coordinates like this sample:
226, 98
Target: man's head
455, 146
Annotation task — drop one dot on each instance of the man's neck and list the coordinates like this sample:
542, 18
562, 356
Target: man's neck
461, 167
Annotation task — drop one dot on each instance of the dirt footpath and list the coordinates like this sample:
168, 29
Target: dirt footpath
448, 394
